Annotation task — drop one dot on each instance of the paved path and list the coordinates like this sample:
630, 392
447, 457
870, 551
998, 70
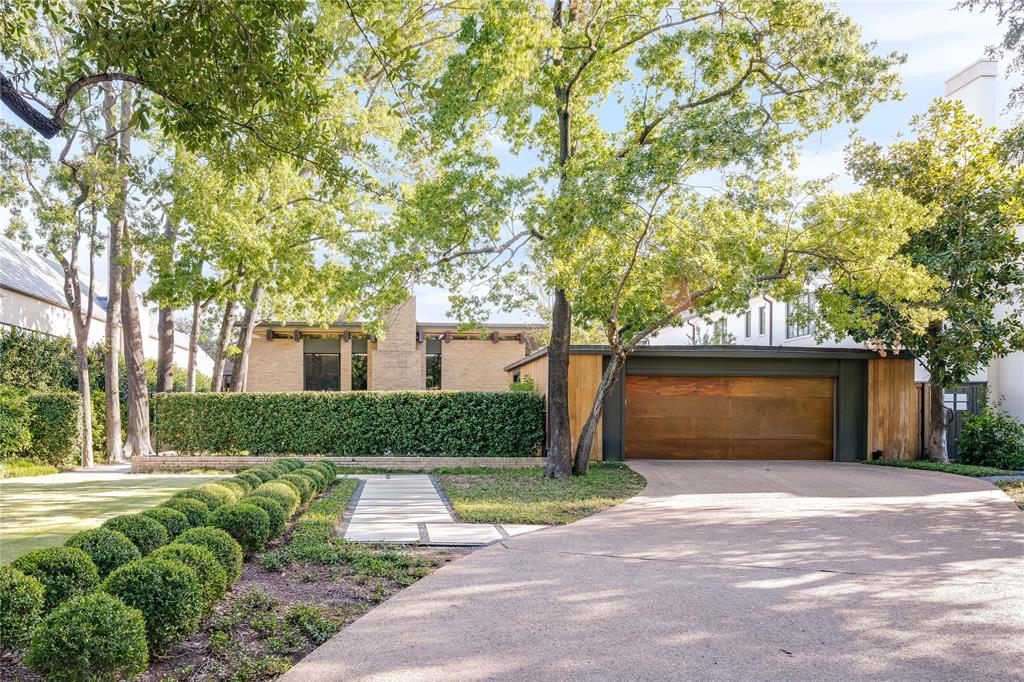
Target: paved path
409, 508
723, 571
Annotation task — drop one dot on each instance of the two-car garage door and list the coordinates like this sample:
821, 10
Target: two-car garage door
726, 417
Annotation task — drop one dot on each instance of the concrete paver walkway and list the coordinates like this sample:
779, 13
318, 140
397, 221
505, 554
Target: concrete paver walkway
408, 508
722, 571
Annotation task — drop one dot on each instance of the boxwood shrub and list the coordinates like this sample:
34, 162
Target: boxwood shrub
65, 572
224, 547
211, 574
91, 637
246, 523
282, 492
303, 485
252, 478
21, 607
56, 428
168, 593
274, 509
194, 510
424, 423
173, 521
316, 475
211, 498
108, 549
145, 532
261, 473
992, 439
241, 488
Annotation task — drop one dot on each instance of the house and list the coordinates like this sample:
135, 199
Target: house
32, 298
408, 356
769, 322
742, 403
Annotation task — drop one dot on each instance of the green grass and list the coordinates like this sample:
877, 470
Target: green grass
961, 469
39, 514
19, 467
1015, 490
525, 496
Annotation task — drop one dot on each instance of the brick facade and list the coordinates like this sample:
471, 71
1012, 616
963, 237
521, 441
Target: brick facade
274, 366
399, 363
477, 365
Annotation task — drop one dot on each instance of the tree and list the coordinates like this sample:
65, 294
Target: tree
613, 96
60, 203
1011, 13
636, 268
965, 173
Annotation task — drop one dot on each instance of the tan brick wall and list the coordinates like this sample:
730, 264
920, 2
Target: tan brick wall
471, 365
275, 366
345, 384
398, 362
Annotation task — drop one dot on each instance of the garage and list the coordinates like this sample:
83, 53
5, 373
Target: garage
729, 417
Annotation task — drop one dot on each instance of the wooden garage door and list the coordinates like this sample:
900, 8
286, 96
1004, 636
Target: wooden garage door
729, 417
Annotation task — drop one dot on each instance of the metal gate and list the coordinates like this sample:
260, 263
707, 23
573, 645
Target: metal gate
961, 402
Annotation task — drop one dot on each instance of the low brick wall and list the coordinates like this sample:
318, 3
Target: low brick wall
144, 465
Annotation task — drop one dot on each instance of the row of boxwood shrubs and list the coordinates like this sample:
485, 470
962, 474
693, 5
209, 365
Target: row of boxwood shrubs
97, 607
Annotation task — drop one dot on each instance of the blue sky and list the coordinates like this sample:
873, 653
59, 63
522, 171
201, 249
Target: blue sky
938, 42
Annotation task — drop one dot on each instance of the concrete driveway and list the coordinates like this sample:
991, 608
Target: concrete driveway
723, 571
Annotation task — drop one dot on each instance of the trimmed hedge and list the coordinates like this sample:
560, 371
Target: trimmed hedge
275, 510
21, 607
145, 532
56, 429
194, 510
168, 593
224, 547
173, 521
65, 572
91, 637
212, 497
212, 577
108, 549
306, 487
426, 423
15, 419
252, 478
280, 491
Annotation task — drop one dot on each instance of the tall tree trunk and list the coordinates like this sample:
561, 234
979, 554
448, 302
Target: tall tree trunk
224, 340
240, 375
112, 332
559, 448
82, 362
165, 327
611, 376
936, 424
193, 348
80, 322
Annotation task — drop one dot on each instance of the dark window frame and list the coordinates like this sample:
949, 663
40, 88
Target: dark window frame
323, 382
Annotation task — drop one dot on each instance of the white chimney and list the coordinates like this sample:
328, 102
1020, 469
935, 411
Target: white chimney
975, 86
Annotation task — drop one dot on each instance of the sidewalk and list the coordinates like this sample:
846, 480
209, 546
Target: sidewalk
407, 508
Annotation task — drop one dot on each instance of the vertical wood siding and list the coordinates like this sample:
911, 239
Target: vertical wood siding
893, 409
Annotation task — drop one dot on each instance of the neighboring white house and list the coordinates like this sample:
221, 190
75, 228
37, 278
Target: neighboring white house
32, 298
766, 322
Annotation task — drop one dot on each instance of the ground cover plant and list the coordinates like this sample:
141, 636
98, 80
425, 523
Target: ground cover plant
945, 467
523, 496
1015, 491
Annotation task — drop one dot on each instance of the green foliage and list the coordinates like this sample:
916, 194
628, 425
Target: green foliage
427, 423
316, 476
65, 572
108, 549
261, 473
174, 521
15, 418
224, 547
17, 467
944, 467
145, 532
303, 485
525, 385
252, 478
312, 534
246, 523
240, 488
329, 469
212, 498
21, 607
275, 512
201, 560
312, 622
56, 428
36, 362
168, 593
91, 637
993, 439
194, 510
955, 166
225, 493
281, 492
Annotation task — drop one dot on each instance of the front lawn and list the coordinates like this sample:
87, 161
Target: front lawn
525, 496
19, 467
1015, 489
951, 468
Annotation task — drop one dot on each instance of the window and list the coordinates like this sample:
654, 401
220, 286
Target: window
746, 325
794, 328
321, 364
721, 331
359, 364
433, 364
761, 321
